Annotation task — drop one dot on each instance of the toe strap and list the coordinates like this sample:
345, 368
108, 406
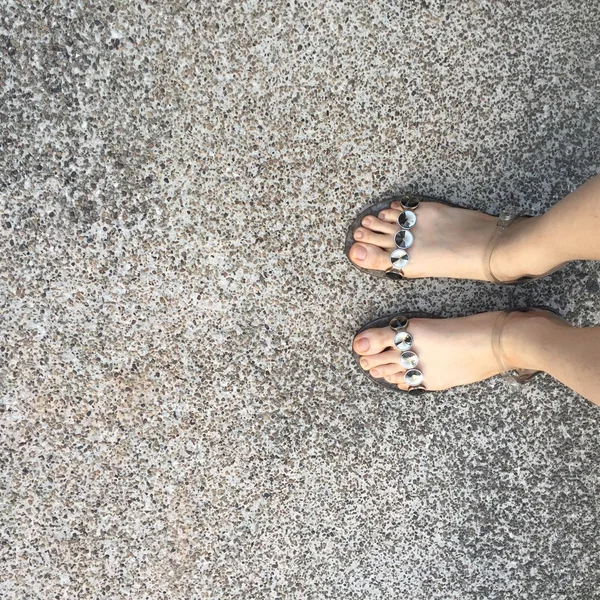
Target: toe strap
403, 342
404, 238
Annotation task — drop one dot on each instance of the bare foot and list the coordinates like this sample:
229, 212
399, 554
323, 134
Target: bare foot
456, 351
449, 242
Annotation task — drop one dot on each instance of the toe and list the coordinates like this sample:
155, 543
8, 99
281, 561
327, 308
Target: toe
381, 240
375, 224
368, 256
396, 378
386, 370
373, 341
389, 215
387, 357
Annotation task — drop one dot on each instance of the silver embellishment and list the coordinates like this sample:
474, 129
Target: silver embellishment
399, 323
409, 360
404, 239
417, 390
403, 341
399, 258
409, 202
407, 219
413, 377
391, 274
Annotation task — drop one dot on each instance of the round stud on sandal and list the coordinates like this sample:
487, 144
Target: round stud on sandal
399, 323
409, 202
403, 341
413, 377
404, 239
407, 219
408, 360
417, 390
399, 259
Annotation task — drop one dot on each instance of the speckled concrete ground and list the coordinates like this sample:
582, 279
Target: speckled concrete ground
181, 415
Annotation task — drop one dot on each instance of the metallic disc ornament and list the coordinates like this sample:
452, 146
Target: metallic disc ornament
407, 219
399, 258
417, 390
399, 323
413, 377
409, 202
393, 275
409, 360
403, 341
404, 239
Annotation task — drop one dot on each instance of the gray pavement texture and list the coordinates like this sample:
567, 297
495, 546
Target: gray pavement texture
181, 417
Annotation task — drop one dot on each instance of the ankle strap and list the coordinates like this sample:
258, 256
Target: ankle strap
505, 220
497, 341
515, 377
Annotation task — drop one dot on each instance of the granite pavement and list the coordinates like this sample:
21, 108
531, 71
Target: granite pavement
180, 414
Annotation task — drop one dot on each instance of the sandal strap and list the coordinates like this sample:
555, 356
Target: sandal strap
403, 342
400, 256
515, 377
505, 220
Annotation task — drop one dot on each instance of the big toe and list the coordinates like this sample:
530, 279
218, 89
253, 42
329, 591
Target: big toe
369, 257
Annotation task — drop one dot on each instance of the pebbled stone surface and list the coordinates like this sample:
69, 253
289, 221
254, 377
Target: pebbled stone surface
181, 417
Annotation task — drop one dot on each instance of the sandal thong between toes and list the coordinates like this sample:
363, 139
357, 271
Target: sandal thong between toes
404, 238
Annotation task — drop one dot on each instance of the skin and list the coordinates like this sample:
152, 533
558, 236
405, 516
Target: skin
451, 242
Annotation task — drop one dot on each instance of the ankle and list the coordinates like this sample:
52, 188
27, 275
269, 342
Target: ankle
526, 249
527, 336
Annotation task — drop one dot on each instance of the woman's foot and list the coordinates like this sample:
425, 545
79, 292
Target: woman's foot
459, 351
449, 242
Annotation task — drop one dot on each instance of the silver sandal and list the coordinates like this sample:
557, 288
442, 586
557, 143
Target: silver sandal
404, 342
404, 238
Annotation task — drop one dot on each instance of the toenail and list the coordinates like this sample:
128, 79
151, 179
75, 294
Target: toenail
360, 253
366, 221
381, 215
364, 363
358, 234
374, 372
362, 345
